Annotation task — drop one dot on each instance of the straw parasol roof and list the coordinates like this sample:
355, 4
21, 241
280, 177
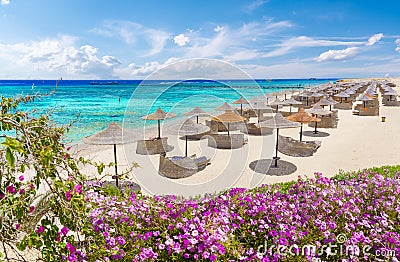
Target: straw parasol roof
186, 128
291, 101
342, 94
364, 97
302, 117
333, 102
277, 103
277, 122
159, 114
229, 117
324, 102
197, 111
225, 107
112, 135
241, 101
318, 110
260, 106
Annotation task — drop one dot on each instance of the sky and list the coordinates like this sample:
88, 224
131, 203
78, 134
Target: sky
92, 39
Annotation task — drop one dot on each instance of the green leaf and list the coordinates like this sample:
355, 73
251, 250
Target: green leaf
10, 157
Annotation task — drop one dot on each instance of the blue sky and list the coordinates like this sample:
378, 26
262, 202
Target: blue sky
93, 39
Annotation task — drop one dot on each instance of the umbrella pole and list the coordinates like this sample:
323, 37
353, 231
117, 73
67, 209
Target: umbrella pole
315, 130
307, 102
301, 132
186, 147
159, 130
197, 119
241, 109
290, 108
228, 128
276, 148
116, 167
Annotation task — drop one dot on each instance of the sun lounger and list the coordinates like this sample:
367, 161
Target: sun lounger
153, 146
296, 148
181, 167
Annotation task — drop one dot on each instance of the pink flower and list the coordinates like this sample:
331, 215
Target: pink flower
21, 178
21, 191
40, 230
17, 226
68, 195
11, 189
1, 195
68, 148
78, 189
64, 230
31, 208
71, 248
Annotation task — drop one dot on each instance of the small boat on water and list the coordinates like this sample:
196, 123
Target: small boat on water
104, 83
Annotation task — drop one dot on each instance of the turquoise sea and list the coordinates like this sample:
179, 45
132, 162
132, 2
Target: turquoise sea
94, 104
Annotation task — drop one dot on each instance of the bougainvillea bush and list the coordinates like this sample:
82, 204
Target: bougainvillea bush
355, 219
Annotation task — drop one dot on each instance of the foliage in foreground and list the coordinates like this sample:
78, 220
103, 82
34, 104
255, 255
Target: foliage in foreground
357, 218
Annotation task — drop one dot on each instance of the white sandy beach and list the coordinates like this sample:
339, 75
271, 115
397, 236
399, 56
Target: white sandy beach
358, 142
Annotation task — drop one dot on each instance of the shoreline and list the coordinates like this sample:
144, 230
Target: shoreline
357, 143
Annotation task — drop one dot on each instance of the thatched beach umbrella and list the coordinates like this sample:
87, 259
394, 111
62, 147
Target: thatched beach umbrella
364, 98
197, 111
306, 94
259, 106
225, 107
229, 117
242, 102
318, 110
291, 101
278, 122
112, 135
159, 115
303, 118
332, 102
341, 95
277, 103
187, 128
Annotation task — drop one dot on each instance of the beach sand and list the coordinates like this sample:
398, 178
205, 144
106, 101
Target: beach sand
358, 142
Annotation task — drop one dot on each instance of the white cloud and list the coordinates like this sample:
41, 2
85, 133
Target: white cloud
58, 56
132, 33
181, 40
254, 5
5, 2
156, 39
374, 39
303, 41
398, 45
242, 55
232, 43
342, 54
218, 28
